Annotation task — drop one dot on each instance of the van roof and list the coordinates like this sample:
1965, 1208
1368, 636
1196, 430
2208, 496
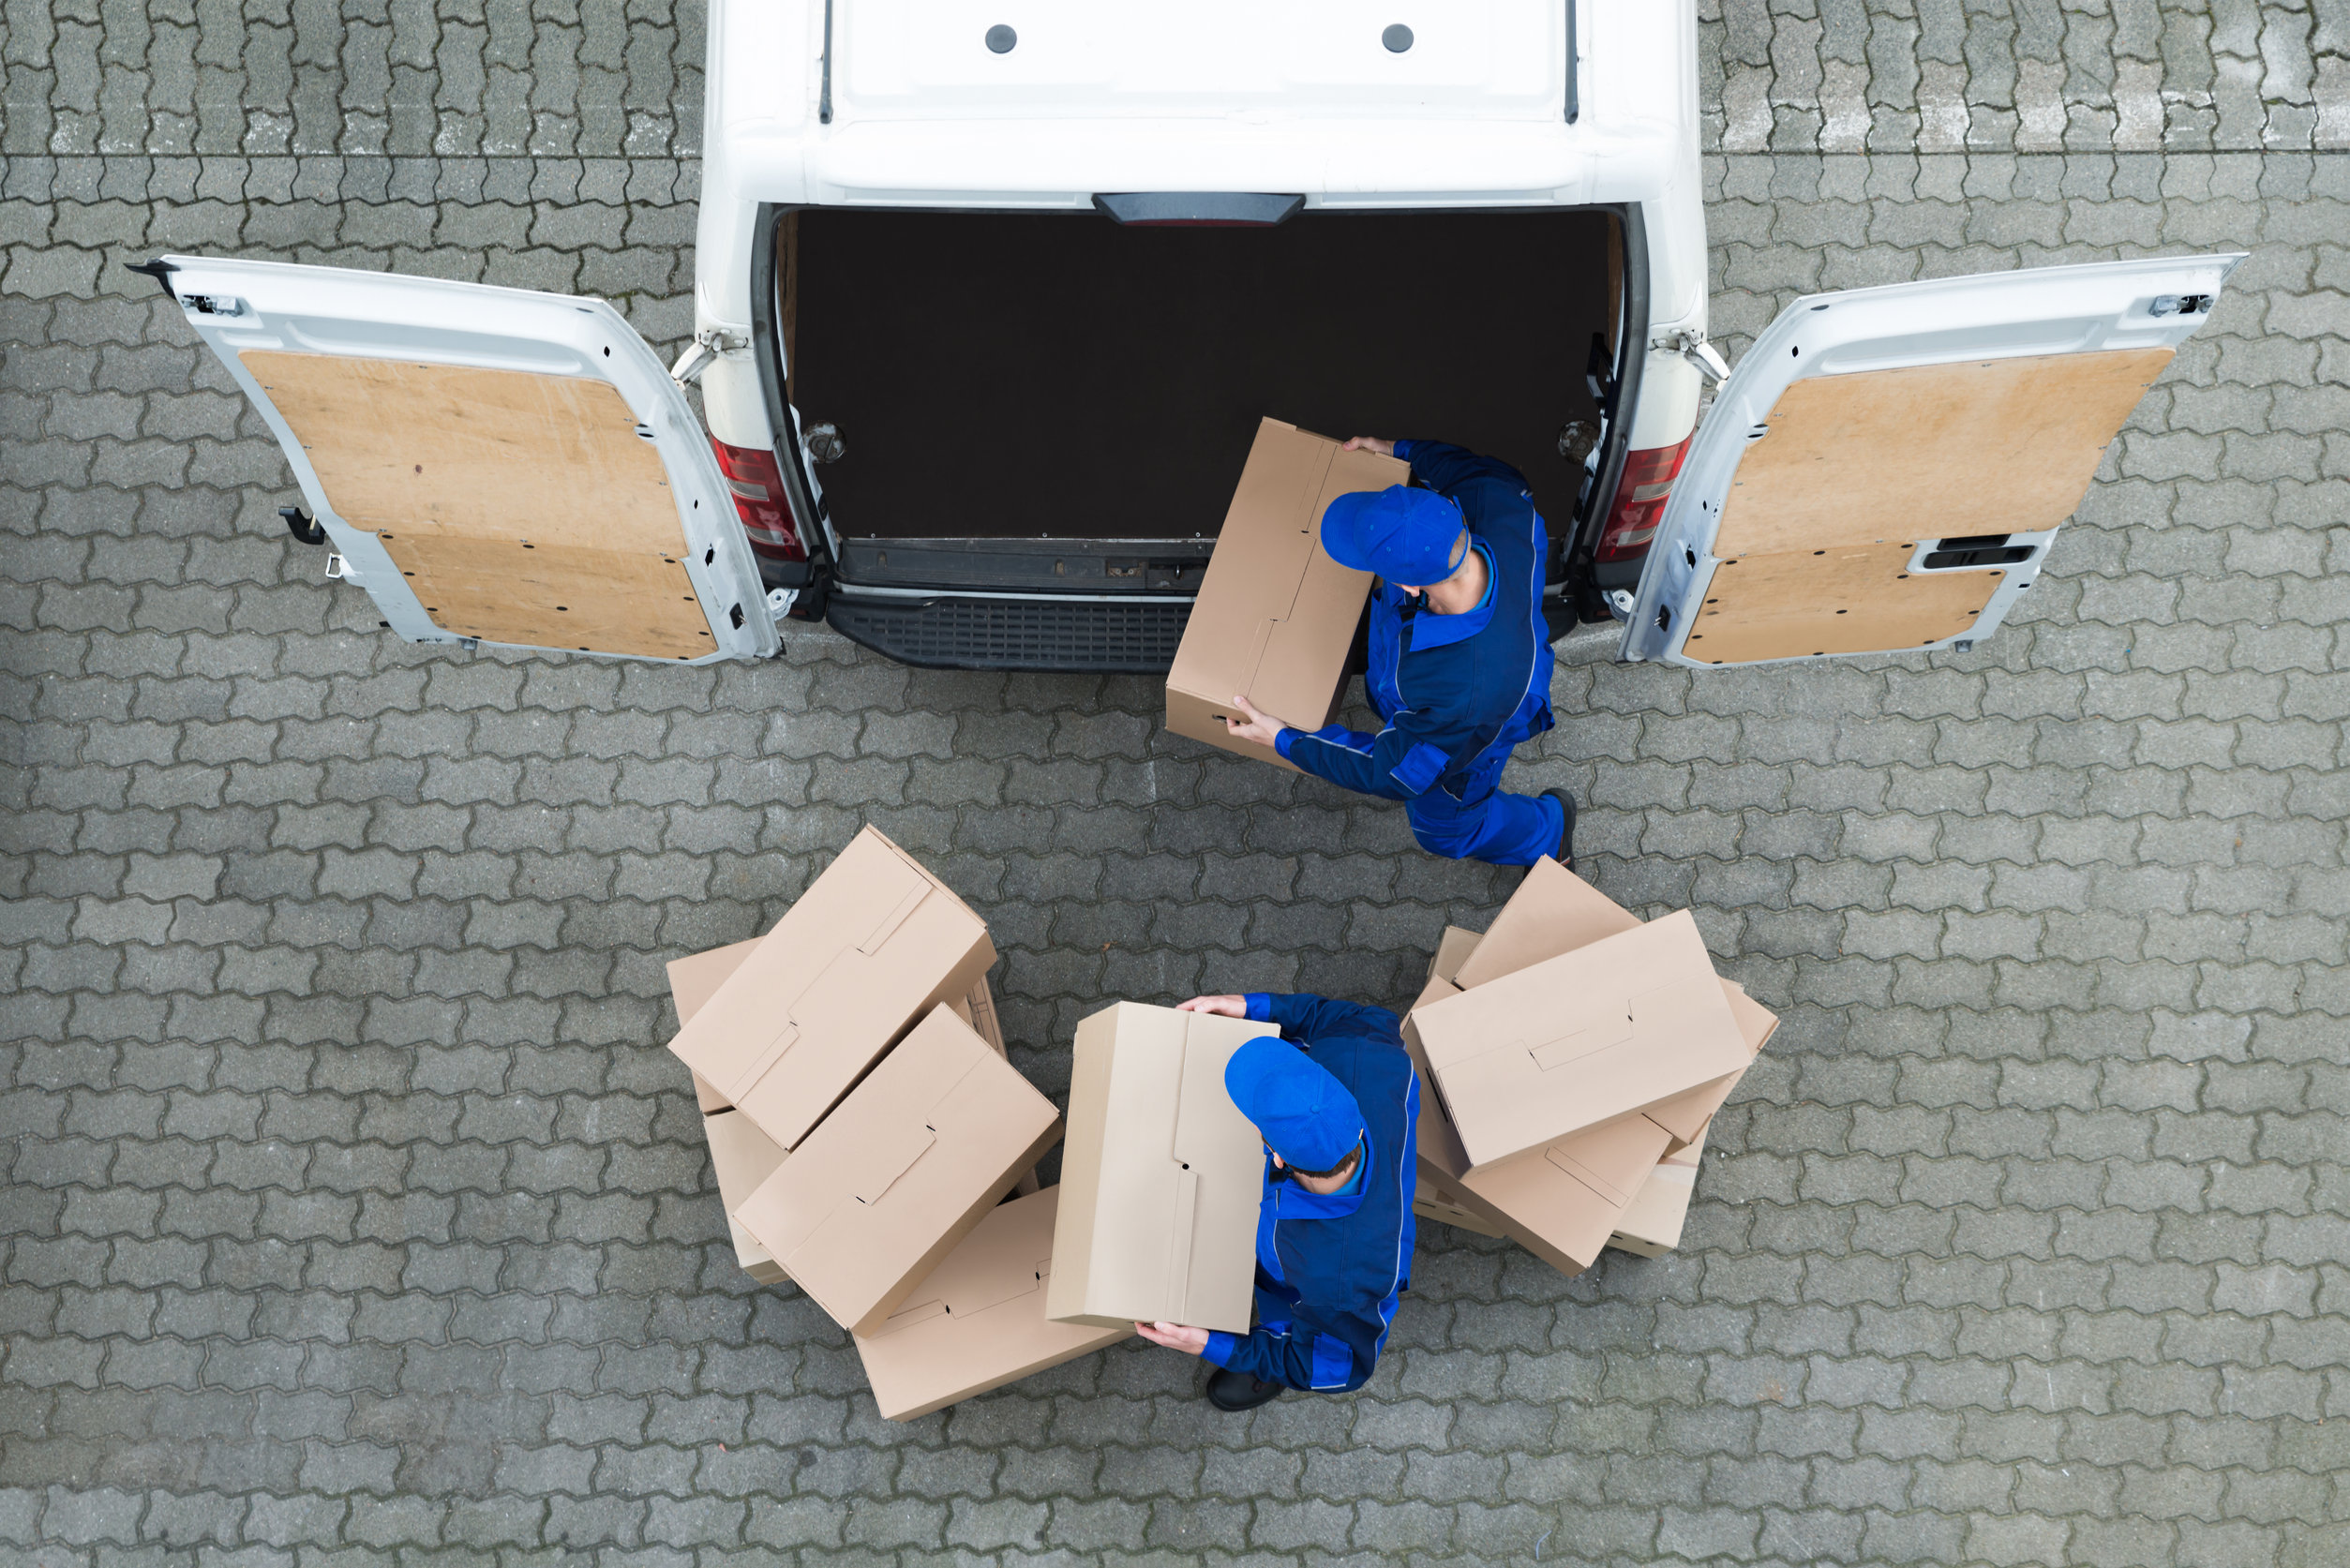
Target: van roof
912, 102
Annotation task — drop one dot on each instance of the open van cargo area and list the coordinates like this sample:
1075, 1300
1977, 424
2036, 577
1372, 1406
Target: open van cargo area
1002, 380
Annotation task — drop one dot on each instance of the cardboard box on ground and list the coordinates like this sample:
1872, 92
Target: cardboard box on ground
1275, 615
977, 1320
873, 945
1565, 1198
742, 1156
902, 1244
904, 1168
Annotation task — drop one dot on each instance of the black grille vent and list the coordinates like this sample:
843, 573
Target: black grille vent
1017, 633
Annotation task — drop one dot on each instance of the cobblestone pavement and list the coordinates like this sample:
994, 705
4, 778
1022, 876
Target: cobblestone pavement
355, 1213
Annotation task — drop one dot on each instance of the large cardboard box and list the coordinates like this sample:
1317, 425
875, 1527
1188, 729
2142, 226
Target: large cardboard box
1161, 1177
1275, 614
901, 1171
1567, 1206
1651, 1225
872, 946
1610, 1029
1555, 911
977, 1320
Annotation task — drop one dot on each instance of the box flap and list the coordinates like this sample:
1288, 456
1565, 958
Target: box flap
1553, 911
1452, 951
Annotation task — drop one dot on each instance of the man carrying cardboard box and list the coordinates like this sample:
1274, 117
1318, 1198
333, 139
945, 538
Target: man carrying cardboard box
1460, 657
1337, 1102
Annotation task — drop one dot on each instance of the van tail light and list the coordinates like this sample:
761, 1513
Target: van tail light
1640, 498
757, 484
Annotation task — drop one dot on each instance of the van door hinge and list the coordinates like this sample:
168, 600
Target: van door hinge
708, 345
1703, 355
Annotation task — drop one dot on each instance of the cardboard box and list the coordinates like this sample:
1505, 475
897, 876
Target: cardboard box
901, 1171
1651, 1227
1555, 911
1275, 615
977, 1320
1621, 1026
743, 1157
1565, 1208
872, 946
1161, 1177
1562, 1206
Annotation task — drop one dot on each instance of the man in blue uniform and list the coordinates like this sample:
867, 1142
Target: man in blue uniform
1336, 1101
1460, 657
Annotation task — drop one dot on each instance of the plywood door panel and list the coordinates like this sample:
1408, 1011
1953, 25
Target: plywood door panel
1931, 451
483, 454
1850, 599
554, 595
521, 508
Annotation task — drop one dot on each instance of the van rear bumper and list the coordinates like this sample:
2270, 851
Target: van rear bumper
980, 633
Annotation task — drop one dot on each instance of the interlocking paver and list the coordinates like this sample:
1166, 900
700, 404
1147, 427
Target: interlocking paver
351, 1202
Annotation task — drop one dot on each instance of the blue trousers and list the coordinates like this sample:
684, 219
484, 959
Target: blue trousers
1487, 823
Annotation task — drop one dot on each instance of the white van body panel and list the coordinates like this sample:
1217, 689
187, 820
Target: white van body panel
1218, 96
333, 311
1980, 318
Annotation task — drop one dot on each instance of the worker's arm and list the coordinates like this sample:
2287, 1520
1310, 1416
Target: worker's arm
1399, 762
1302, 1016
1443, 468
1303, 1354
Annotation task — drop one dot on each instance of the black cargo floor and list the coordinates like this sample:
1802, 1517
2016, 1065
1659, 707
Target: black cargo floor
1039, 375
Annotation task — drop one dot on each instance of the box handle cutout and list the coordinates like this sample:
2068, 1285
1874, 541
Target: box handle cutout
1598, 1035
908, 1317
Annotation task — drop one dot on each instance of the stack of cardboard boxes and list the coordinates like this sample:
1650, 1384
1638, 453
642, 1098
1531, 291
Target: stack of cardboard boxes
1570, 1059
866, 1127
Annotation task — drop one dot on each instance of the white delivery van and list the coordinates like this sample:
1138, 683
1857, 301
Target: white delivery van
989, 301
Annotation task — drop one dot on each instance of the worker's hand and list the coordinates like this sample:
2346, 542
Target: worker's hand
1175, 1336
1262, 728
1226, 1006
1370, 443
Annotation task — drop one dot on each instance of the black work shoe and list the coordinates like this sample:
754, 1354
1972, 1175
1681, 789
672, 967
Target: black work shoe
1565, 855
1237, 1391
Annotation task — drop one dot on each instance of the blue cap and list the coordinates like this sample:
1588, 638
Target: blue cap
1307, 1117
1405, 536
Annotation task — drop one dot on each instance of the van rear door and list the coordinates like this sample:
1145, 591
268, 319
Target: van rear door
1886, 468
492, 464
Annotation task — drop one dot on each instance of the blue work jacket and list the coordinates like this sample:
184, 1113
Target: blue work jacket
1450, 688
1329, 1269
